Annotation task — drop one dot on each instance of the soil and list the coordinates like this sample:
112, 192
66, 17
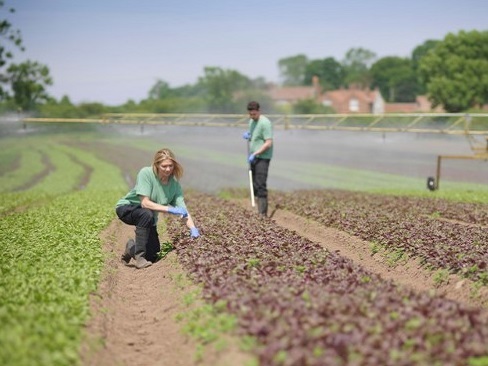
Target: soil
134, 314
134, 311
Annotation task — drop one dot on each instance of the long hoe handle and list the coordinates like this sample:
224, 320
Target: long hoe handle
251, 187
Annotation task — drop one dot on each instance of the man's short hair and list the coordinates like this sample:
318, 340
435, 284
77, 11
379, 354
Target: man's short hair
253, 106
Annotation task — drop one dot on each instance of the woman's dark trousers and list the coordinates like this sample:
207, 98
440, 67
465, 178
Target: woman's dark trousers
146, 245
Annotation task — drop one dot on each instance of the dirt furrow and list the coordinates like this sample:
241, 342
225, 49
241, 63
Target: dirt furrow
134, 314
134, 311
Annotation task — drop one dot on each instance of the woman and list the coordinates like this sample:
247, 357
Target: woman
156, 190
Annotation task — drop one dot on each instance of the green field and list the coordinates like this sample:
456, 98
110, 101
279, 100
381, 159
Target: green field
58, 189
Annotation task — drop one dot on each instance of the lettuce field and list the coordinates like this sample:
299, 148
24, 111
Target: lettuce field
292, 300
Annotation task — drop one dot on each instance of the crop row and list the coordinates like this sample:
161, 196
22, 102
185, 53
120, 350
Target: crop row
45, 169
306, 305
52, 257
448, 235
51, 261
472, 213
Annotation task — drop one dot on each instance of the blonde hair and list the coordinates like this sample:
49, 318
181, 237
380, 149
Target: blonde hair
165, 154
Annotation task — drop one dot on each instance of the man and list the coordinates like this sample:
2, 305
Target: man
260, 136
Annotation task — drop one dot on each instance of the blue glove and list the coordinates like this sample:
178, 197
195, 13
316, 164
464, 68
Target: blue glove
178, 211
251, 158
194, 232
246, 135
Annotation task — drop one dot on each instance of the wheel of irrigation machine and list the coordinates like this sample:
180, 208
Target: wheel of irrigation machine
431, 183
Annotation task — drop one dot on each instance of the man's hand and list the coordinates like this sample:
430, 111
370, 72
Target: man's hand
246, 135
251, 158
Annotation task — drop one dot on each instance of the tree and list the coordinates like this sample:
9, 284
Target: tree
160, 90
8, 36
220, 87
455, 71
420, 51
292, 70
417, 54
310, 106
259, 83
356, 65
329, 71
245, 96
188, 91
28, 82
395, 78
91, 110
62, 109
172, 105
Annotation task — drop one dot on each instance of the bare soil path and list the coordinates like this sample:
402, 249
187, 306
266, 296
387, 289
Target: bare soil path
134, 311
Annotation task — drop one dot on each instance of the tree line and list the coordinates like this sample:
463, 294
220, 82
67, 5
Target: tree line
452, 72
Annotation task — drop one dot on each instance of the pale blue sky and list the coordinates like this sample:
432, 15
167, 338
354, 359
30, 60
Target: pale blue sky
114, 50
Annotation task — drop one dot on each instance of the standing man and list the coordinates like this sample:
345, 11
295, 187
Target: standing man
260, 136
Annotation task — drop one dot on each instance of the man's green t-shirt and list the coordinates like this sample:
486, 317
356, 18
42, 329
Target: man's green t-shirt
261, 131
148, 184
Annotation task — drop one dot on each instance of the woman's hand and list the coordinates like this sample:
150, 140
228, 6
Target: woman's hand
194, 233
178, 211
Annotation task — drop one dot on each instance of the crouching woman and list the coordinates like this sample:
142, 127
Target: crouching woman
157, 189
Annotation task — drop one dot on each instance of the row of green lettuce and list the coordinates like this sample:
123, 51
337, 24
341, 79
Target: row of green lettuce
52, 257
